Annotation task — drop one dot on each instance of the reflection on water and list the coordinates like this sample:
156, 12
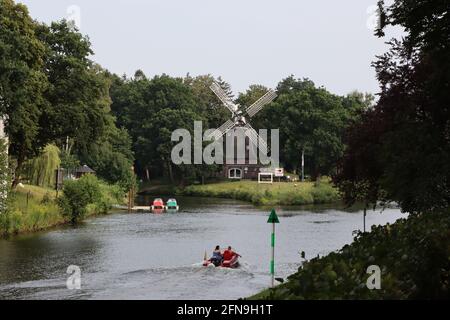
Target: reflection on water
145, 256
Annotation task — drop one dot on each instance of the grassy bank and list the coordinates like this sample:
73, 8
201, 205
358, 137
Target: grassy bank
278, 193
413, 254
34, 208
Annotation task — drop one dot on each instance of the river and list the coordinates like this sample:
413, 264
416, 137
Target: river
146, 256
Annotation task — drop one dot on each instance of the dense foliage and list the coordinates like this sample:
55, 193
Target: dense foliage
79, 194
152, 109
40, 171
310, 119
413, 255
32, 208
401, 149
52, 93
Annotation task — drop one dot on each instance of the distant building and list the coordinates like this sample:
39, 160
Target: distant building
241, 171
83, 170
242, 168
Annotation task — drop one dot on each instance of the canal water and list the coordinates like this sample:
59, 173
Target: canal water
145, 256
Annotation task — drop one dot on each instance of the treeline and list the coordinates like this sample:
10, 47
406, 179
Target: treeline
311, 120
64, 110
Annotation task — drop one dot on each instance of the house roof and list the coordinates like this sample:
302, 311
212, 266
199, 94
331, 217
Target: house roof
85, 169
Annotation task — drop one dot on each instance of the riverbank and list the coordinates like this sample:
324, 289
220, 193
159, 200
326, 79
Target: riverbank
278, 193
413, 255
32, 208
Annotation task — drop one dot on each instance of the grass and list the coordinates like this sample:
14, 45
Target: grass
31, 208
34, 208
278, 193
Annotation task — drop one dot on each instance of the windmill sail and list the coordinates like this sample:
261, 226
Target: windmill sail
255, 138
261, 102
223, 129
223, 97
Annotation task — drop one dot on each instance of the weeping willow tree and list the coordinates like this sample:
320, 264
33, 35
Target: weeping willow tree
41, 170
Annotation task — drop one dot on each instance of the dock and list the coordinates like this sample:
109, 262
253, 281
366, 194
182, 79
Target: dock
140, 209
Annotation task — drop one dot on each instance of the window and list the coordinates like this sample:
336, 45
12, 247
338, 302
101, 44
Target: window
235, 173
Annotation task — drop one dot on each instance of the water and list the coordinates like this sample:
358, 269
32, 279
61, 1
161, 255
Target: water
145, 256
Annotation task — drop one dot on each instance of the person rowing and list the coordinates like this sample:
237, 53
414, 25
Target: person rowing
217, 257
229, 254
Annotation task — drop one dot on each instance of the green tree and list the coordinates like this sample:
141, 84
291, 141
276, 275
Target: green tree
49, 89
78, 96
151, 110
22, 81
401, 150
41, 170
310, 119
207, 104
77, 195
110, 155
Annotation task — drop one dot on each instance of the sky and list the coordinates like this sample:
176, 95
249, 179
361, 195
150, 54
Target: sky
244, 41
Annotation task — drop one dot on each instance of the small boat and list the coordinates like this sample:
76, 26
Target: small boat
157, 206
232, 263
172, 206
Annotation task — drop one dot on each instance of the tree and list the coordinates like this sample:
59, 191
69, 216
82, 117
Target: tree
77, 195
401, 150
310, 119
78, 96
207, 104
151, 110
49, 89
110, 154
22, 81
41, 170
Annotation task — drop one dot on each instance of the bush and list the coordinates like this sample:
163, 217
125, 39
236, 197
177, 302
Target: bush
324, 193
413, 255
78, 194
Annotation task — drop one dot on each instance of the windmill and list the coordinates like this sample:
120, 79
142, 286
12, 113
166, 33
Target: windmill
240, 115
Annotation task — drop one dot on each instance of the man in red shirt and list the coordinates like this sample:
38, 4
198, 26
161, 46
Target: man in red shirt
229, 254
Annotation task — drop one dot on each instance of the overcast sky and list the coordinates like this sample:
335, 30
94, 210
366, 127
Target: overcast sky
244, 41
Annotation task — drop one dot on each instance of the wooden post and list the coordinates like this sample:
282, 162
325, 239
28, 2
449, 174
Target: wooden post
129, 201
303, 165
131, 194
364, 219
28, 198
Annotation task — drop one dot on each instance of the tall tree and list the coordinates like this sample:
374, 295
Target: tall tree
207, 103
150, 110
78, 95
49, 89
401, 150
110, 155
310, 119
41, 170
22, 81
